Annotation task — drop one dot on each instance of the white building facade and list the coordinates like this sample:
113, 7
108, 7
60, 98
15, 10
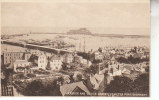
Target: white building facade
42, 61
56, 63
19, 65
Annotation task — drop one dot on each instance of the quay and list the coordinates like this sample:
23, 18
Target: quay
37, 47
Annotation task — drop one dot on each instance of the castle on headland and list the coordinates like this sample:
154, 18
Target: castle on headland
80, 31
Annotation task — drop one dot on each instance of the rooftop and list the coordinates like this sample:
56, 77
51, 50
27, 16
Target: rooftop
55, 57
68, 88
21, 61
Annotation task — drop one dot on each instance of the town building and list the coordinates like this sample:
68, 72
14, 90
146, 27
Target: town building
42, 61
147, 53
105, 51
113, 51
68, 58
143, 67
86, 62
81, 60
140, 50
115, 72
127, 69
138, 55
128, 54
66, 79
11, 57
74, 89
98, 55
7, 90
98, 82
109, 79
20, 65
113, 61
78, 59
76, 75
36, 52
27, 55
56, 62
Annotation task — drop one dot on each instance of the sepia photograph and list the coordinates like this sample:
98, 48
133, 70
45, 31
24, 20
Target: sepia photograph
83, 48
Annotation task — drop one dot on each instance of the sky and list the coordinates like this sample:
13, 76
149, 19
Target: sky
130, 17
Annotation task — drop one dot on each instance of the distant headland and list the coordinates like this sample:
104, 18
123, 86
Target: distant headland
82, 31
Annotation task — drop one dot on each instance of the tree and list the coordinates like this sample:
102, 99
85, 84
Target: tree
88, 84
20, 76
141, 84
56, 90
84, 55
48, 66
79, 77
35, 88
8, 73
135, 49
52, 89
100, 49
33, 58
125, 85
60, 79
64, 66
120, 85
122, 60
131, 59
31, 75
147, 69
93, 69
96, 61
71, 78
